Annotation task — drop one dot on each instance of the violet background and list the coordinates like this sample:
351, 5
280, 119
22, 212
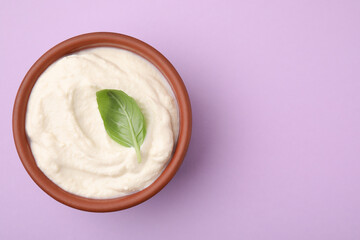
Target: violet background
274, 86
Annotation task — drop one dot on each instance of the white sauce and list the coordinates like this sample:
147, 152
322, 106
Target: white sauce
67, 135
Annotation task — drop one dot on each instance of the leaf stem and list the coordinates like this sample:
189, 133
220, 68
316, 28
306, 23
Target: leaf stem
138, 153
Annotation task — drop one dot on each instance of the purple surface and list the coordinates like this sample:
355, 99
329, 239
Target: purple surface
274, 85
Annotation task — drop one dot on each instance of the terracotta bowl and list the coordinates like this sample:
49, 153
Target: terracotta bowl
100, 39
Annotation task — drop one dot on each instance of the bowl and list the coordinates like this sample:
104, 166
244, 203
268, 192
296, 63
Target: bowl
90, 40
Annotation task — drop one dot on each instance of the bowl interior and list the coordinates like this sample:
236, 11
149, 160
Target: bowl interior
75, 44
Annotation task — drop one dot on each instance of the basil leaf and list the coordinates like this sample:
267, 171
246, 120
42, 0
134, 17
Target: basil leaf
123, 119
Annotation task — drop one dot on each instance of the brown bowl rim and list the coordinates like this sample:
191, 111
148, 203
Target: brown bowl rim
90, 40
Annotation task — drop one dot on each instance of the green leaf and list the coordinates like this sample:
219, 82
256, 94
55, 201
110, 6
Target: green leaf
123, 119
